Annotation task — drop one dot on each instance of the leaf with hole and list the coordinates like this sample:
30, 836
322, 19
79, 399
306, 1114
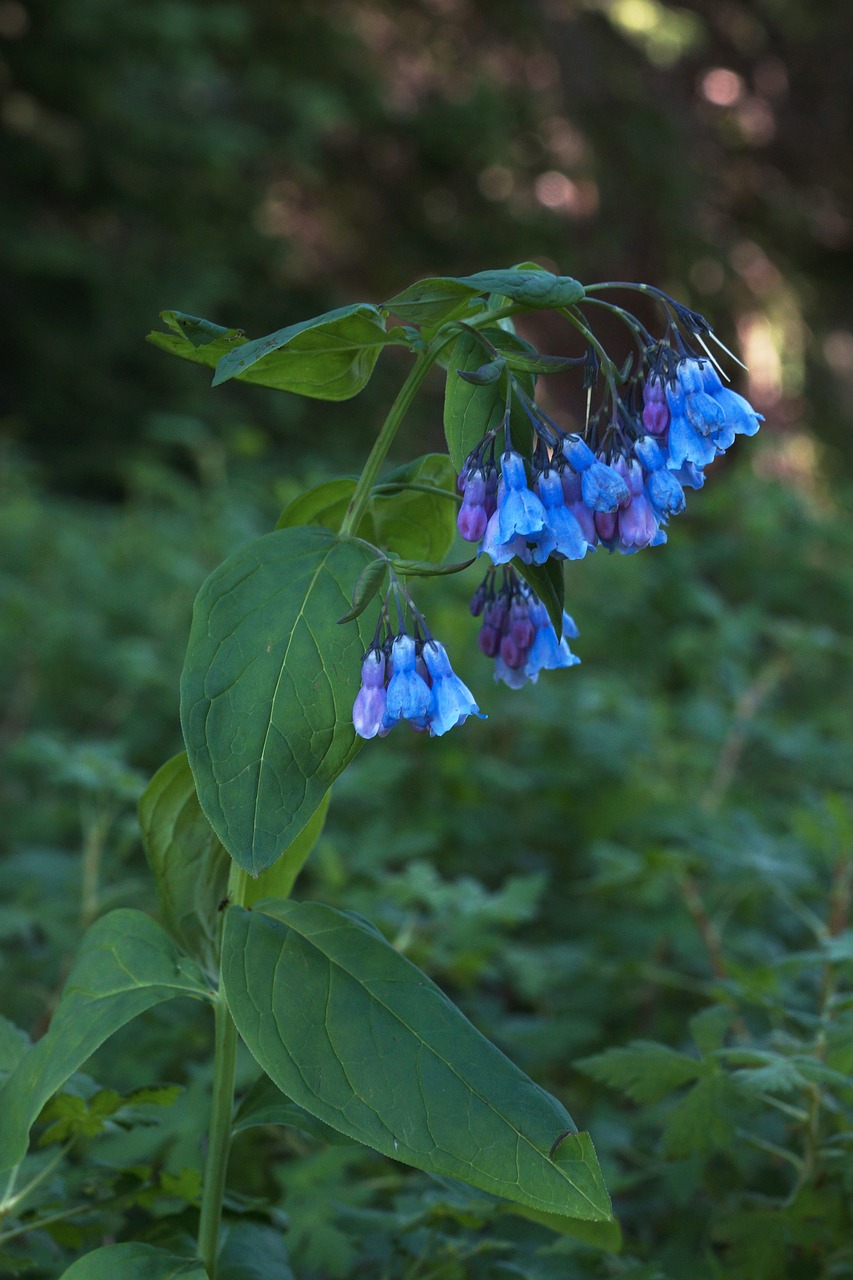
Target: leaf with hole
330, 357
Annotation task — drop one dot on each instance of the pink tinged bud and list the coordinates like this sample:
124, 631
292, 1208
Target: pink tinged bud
489, 640
632, 473
637, 524
653, 392
472, 521
369, 707
513, 654
656, 418
606, 523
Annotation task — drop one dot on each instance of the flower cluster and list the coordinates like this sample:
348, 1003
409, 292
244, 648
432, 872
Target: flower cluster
517, 632
533, 492
406, 678
663, 430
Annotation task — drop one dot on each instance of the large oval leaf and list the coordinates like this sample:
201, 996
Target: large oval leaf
126, 964
268, 687
362, 1039
329, 357
134, 1262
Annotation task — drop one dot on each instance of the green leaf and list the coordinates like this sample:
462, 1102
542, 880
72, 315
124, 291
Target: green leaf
266, 1104
188, 862
367, 584
549, 583
644, 1070
532, 287
425, 569
252, 1251
278, 880
134, 1262
329, 357
703, 1120
432, 300
413, 509
440, 298
358, 1036
606, 1236
126, 964
325, 505
486, 374
268, 687
471, 411
14, 1043
196, 340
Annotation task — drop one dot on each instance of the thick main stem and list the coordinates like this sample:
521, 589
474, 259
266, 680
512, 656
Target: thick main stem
221, 1110
384, 440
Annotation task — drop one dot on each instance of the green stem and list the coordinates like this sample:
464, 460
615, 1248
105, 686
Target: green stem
384, 440
221, 1109
398, 410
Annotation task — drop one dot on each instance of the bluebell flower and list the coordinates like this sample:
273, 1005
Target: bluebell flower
573, 497
664, 491
603, 488
520, 513
409, 697
369, 708
577, 453
499, 551
562, 534
706, 416
517, 632
547, 653
453, 700
655, 408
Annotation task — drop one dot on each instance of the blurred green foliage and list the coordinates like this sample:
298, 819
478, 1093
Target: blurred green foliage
653, 847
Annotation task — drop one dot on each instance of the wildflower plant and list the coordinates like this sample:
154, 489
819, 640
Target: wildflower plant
309, 640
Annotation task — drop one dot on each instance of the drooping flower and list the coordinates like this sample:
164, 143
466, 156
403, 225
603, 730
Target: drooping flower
369, 708
517, 632
409, 697
479, 502
638, 525
520, 513
706, 416
453, 701
562, 535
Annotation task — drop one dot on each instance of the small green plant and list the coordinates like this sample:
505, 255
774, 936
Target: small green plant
354, 1041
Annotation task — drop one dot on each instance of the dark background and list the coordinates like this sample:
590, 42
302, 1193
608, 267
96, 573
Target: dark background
256, 163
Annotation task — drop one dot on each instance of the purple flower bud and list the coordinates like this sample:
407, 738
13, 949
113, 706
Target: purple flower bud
369, 707
489, 640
